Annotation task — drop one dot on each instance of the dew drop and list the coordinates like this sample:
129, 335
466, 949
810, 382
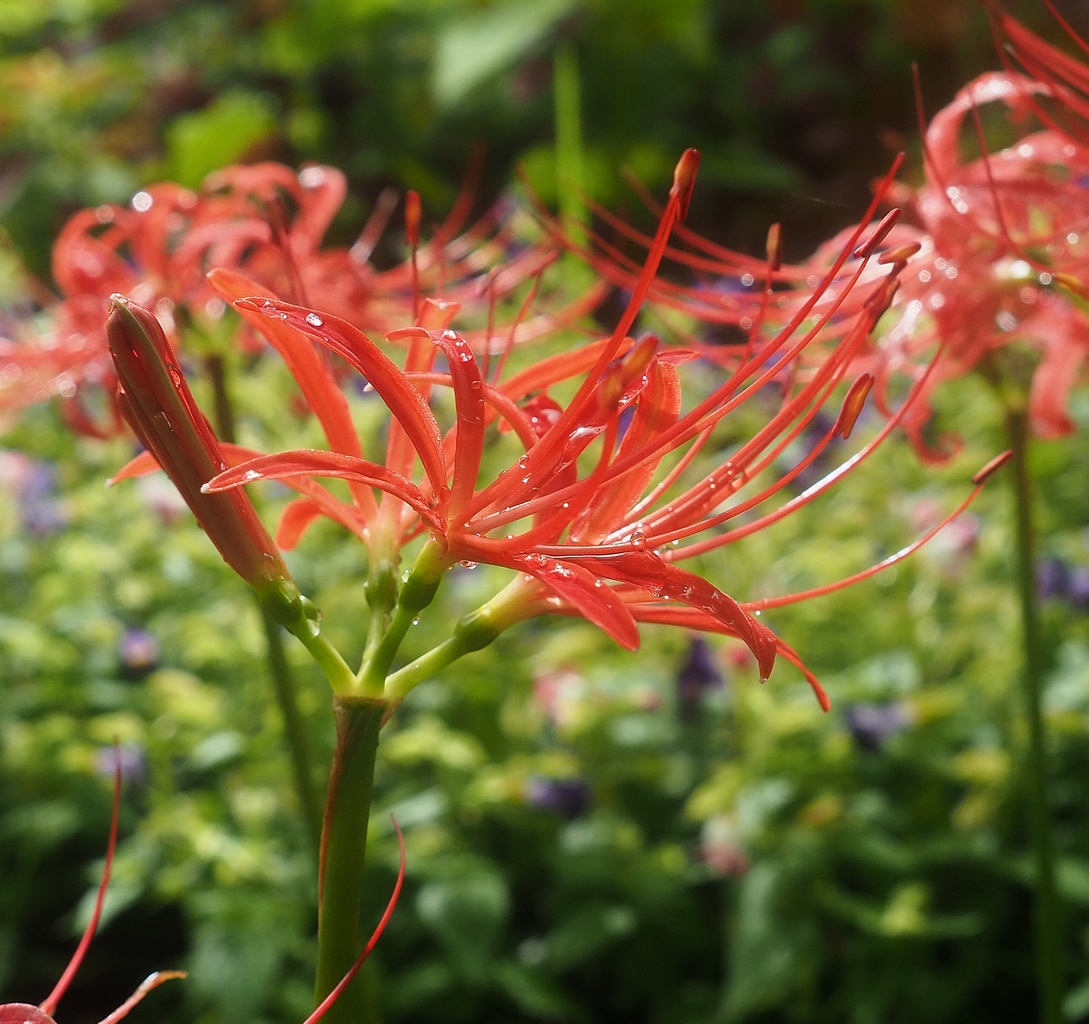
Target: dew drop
142, 202
416, 620
312, 177
314, 320
250, 475
638, 540
466, 564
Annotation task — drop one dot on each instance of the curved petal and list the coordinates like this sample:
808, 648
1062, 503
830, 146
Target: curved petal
469, 403
404, 401
648, 571
584, 591
305, 462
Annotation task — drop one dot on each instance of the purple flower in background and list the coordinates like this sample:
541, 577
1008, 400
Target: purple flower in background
871, 724
1077, 591
1058, 579
699, 673
138, 653
569, 798
1052, 578
40, 511
131, 759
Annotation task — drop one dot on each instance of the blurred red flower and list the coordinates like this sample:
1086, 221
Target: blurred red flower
264, 221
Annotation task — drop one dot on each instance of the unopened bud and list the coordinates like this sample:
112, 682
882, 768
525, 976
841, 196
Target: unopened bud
157, 403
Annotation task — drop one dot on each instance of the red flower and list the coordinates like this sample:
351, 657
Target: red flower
998, 243
264, 221
605, 499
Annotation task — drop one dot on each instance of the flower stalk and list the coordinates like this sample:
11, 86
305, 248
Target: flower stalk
344, 849
1048, 924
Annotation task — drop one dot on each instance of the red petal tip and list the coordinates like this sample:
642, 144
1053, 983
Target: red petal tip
413, 213
992, 467
853, 405
866, 248
774, 247
684, 180
901, 254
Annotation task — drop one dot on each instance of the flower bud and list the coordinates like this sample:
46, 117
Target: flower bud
158, 405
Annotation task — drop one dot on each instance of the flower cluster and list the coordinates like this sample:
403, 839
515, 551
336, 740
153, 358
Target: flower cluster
610, 488
998, 241
268, 223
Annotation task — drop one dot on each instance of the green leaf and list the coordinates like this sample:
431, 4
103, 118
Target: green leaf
474, 47
467, 913
220, 134
586, 932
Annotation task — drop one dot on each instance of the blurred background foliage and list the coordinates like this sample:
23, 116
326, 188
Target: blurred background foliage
593, 837
796, 106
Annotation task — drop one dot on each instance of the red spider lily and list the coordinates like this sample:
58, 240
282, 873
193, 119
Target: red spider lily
997, 242
25, 1013
267, 222
605, 500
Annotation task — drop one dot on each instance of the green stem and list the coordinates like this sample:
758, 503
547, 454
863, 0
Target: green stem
568, 113
283, 683
294, 727
472, 632
1048, 926
343, 851
416, 593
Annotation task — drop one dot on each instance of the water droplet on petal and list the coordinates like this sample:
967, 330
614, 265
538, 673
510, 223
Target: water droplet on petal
312, 177
638, 540
314, 320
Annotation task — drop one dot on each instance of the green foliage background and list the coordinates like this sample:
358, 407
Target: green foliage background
749, 862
